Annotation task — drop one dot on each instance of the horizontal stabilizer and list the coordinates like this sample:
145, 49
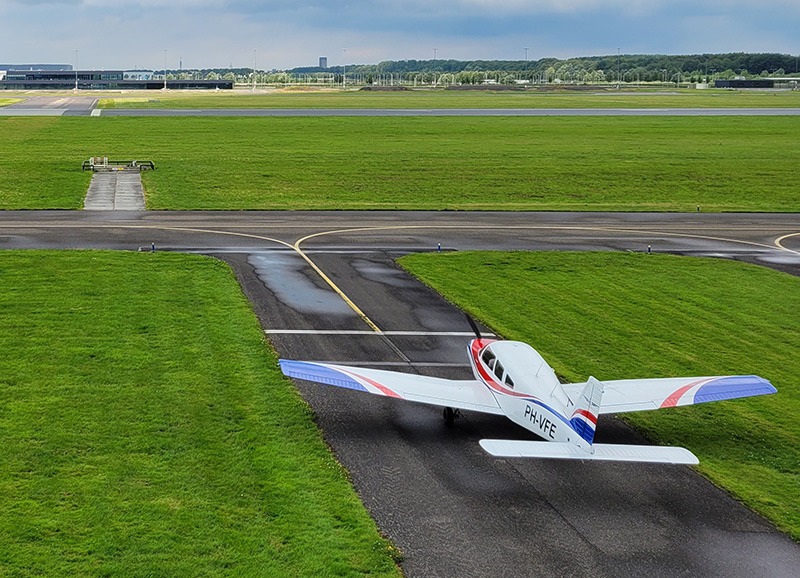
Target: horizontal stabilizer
606, 452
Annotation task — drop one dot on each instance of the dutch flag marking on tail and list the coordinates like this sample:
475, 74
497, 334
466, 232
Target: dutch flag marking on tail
584, 418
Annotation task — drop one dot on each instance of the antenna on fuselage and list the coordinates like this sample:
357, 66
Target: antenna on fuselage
473, 325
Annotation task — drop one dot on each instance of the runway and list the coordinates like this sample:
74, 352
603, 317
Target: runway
86, 106
451, 508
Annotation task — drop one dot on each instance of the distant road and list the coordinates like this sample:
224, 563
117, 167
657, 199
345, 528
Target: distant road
452, 112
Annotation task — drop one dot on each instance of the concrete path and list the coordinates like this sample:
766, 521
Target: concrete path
115, 191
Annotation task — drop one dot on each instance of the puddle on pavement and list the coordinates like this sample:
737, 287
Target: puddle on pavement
383, 274
782, 258
284, 274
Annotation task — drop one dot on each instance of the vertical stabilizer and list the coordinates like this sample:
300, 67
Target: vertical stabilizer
587, 408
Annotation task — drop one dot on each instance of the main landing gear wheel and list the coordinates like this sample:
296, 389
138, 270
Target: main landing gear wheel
450, 415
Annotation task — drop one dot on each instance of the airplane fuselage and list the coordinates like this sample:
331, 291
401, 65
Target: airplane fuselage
525, 387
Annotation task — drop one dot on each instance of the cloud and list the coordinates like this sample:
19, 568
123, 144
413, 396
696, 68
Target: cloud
287, 33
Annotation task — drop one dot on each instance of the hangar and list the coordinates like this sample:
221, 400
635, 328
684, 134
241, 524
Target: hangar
99, 80
784, 82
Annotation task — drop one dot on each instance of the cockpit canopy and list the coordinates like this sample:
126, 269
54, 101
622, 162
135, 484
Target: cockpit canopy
517, 365
490, 359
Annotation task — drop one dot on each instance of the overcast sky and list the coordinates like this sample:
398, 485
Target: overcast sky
290, 33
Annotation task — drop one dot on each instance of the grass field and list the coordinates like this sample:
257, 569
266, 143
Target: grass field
147, 430
620, 316
7, 101
552, 163
601, 98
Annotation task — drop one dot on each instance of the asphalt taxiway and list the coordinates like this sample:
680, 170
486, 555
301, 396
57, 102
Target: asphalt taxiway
451, 508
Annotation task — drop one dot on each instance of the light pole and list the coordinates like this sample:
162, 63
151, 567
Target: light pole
255, 51
165, 69
435, 50
76, 70
618, 78
344, 69
526, 62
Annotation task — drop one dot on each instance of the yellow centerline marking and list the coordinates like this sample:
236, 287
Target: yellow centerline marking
555, 227
212, 231
687, 235
335, 287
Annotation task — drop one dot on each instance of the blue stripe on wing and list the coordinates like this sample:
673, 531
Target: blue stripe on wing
733, 387
319, 373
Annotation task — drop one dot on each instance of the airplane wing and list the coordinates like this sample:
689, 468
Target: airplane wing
471, 395
624, 395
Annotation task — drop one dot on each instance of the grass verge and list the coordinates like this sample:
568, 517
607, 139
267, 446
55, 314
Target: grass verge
601, 98
619, 316
7, 101
148, 431
552, 163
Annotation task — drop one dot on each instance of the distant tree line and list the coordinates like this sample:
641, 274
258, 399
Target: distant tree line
624, 68
612, 68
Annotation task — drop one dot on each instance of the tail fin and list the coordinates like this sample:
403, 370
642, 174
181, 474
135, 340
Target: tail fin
587, 408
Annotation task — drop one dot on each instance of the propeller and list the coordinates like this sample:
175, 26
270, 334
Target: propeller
473, 325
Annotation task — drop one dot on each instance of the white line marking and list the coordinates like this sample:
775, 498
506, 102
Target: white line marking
367, 332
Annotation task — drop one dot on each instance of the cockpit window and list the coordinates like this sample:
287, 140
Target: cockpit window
498, 370
509, 381
489, 358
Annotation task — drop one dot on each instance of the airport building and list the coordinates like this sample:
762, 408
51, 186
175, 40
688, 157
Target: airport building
780, 82
42, 79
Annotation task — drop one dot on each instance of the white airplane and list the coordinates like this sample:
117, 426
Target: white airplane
513, 380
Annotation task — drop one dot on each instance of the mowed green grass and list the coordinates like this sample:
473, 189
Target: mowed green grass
552, 163
601, 98
147, 431
7, 101
617, 316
